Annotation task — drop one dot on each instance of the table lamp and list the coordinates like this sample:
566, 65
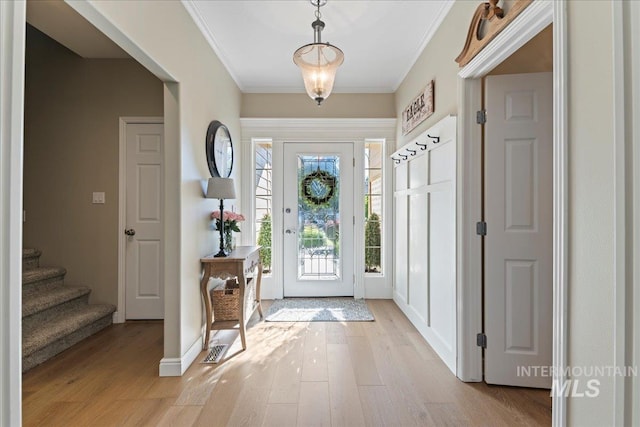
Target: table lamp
221, 188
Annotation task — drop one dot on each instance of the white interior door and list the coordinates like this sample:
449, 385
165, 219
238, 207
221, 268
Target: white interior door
518, 212
318, 219
144, 286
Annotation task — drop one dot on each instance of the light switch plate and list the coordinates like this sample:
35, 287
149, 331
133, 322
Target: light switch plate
98, 197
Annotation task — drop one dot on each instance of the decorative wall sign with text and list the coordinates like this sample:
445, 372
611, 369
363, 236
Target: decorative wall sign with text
419, 109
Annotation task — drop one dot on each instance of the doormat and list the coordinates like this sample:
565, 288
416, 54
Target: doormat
319, 310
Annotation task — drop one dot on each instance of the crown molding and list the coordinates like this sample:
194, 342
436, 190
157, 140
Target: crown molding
442, 13
198, 19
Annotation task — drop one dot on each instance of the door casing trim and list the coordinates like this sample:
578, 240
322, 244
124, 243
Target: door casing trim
12, 77
530, 22
120, 315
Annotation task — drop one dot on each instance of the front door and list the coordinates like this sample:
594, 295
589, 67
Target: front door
518, 212
144, 287
318, 219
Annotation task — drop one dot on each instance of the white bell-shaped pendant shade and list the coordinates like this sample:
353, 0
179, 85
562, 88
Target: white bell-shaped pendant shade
318, 63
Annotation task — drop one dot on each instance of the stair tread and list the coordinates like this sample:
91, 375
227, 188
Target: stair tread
42, 273
30, 253
40, 301
59, 328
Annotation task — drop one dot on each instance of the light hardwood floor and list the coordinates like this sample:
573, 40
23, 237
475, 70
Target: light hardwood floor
378, 373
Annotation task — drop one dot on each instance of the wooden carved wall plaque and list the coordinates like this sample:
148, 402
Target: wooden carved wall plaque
495, 20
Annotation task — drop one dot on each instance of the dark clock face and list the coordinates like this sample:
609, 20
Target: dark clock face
219, 150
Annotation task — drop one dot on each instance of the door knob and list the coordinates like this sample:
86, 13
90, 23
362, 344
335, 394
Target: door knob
130, 232
290, 231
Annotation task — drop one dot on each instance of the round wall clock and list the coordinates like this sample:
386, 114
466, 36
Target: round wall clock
219, 150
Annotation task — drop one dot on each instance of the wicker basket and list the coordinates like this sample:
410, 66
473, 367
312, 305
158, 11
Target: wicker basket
226, 302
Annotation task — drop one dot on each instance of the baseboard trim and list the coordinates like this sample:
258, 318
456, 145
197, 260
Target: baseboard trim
445, 351
176, 366
378, 292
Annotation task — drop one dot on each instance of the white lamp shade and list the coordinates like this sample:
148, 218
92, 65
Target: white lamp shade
221, 188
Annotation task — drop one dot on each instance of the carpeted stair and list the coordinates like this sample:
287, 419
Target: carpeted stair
54, 316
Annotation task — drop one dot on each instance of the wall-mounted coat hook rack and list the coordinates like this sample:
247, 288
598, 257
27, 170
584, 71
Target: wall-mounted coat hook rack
439, 134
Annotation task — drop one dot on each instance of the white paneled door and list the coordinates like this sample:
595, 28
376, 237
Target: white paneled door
144, 286
518, 245
318, 219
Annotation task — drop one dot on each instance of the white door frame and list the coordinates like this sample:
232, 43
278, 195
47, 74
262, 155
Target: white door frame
12, 40
632, 35
120, 315
357, 131
525, 26
626, 137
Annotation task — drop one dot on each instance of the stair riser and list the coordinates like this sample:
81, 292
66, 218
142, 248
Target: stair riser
40, 319
64, 343
30, 263
42, 285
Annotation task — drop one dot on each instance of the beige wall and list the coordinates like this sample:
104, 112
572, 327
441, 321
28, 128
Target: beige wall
299, 105
591, 201
536, 56
162, 35
437, 62
72, 106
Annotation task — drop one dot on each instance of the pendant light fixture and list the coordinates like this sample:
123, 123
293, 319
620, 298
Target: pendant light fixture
318, 61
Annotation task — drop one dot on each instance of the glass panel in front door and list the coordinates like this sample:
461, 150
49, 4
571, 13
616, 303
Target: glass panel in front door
318, 217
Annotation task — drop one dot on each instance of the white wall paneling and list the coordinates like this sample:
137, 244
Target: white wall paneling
425, 229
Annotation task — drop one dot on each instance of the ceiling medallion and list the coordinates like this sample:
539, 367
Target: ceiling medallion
318, 61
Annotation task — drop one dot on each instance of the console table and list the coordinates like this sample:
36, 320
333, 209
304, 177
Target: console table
242, 262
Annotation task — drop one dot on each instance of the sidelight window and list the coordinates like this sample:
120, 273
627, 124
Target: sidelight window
263, 199
373, 206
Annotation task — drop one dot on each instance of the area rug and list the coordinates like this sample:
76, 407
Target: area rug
319, 310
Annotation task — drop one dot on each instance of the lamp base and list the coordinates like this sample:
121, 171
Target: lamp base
221, 254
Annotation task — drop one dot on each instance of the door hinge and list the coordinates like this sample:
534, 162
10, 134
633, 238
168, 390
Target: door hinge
354, 220
481, 340
354, 278
481, 117
481, 228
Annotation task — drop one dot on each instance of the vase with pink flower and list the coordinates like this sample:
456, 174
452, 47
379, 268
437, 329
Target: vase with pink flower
231, 221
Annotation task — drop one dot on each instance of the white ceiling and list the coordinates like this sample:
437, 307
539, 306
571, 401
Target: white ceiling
255, 39
381, 39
